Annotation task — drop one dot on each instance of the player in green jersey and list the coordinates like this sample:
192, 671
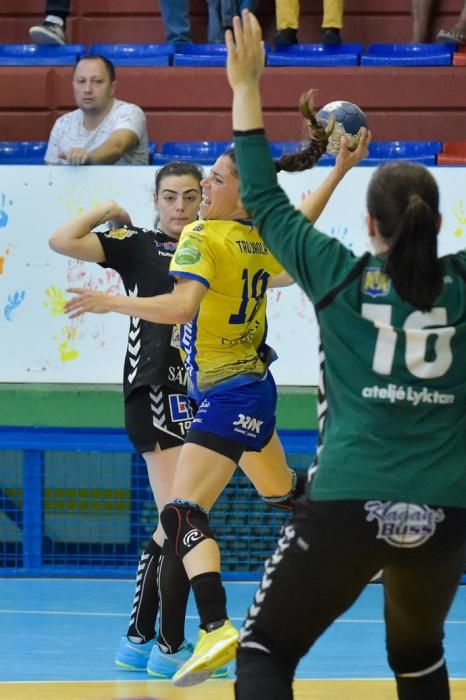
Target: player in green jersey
388, 487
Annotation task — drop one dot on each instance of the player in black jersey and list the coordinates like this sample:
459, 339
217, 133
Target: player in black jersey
157, 410
388, 487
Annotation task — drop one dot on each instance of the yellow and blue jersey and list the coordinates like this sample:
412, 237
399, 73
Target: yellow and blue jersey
224, 345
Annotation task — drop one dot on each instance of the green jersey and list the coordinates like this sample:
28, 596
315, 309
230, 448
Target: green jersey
393, 378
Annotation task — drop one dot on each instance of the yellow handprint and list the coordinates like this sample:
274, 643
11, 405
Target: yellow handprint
65, 350
105, 190
55, 300
460, 215
72, 199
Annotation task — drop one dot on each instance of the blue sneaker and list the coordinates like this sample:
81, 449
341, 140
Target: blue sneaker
131, 656
163, 665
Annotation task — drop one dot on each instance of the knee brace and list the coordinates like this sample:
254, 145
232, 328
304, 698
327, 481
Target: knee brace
286, 502
186, 525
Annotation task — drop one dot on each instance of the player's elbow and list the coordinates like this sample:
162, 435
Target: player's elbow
56, 244
186, 311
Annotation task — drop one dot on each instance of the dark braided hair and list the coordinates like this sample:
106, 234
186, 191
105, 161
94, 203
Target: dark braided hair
317, 135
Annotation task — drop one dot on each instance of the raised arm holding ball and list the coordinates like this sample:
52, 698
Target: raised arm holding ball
388, 487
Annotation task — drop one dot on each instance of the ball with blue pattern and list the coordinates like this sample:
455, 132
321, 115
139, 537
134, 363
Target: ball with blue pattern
349, 119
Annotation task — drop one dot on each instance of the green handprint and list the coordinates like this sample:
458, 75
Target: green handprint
55, 300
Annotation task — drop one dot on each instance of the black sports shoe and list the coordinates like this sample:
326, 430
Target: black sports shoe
286, 37
331, 37
48, 33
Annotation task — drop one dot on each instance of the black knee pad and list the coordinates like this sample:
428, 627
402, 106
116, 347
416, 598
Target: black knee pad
185, 525
413, 662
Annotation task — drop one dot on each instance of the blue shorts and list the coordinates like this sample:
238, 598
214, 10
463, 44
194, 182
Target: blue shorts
244, 416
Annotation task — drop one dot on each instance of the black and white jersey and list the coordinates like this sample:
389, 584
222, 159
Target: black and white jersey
142, 258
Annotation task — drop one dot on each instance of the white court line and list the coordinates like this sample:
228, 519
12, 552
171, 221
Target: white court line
74, 613
131, 681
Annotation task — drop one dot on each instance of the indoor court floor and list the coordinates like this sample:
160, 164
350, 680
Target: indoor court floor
59, 638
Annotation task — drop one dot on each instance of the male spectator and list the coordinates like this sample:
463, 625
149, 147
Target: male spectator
102, 130
52, 29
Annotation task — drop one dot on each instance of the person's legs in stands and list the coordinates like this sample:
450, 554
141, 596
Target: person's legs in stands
457, 33
175, 16
215, 31
421, 11
52, 29
332, 22
287, 16
252, 5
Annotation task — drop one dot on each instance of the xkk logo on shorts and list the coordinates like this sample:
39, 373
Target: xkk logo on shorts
247, 425
404, 524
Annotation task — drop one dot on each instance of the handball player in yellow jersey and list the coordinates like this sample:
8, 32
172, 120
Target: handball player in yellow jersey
223, 270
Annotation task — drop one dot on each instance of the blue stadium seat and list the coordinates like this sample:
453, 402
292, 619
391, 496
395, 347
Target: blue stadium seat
152, 146
408, 55
315, 55
135, 54
200, 55
202, 152
22, 152
279, 148
424, 152
36, 55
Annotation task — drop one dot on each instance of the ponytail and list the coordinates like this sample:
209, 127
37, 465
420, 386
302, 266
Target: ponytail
403, 200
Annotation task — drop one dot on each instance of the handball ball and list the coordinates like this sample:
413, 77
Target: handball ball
348, 120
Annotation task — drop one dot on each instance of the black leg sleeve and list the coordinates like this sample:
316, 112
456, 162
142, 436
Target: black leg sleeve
173, 587
146, 599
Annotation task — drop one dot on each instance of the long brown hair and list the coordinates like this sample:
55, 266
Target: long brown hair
403, 199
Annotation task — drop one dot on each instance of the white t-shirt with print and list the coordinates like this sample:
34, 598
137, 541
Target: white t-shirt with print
69, 132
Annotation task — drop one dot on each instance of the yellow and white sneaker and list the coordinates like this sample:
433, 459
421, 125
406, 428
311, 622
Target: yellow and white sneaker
213, 650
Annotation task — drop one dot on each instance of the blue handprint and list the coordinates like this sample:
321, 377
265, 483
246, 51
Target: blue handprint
3, 213
14, 300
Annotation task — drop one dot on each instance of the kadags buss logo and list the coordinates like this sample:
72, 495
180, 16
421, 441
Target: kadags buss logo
404, 525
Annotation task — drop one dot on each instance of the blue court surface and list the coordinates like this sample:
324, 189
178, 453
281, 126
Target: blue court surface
68, 630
